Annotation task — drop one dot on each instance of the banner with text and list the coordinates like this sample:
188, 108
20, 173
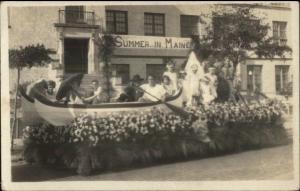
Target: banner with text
151, 42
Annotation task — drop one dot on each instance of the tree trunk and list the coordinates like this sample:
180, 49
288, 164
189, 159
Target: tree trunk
231, 81
15, 109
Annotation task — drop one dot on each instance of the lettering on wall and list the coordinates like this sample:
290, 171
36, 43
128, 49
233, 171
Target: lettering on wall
130, 41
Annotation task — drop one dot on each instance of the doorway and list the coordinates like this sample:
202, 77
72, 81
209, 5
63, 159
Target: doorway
76, 55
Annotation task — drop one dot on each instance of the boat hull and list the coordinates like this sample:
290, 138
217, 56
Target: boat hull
29, 114
59, 114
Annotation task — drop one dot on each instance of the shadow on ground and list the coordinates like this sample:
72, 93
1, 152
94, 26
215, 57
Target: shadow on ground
33, 173
265, 164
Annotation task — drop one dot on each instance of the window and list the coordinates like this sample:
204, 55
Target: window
116, 22
279, 32
281, 78
154, 24
189, 25
155, 70
74, 14
254, 77
122, 71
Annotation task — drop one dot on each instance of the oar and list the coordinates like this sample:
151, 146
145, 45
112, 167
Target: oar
242, 98
174, 108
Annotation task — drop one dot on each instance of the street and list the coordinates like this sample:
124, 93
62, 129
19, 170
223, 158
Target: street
266, 164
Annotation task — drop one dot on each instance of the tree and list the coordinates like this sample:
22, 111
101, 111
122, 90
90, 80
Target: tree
106, 45
234, 35
32, 55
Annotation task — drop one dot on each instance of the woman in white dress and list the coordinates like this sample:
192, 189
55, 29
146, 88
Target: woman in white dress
171, 73
194, 71
192, 86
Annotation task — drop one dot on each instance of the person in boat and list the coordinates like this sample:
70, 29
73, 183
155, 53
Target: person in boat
40, 86
50, 92
131, 92
171, 73
95, 96
58, 81
166, 83
73, 96
152, 92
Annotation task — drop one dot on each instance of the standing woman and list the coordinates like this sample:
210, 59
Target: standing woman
193, 87
172, 74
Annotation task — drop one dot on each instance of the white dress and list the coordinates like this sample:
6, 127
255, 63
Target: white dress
173, 79
208, 89
192, 87
157, 91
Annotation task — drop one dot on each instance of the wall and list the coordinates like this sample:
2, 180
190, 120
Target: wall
30, 75
268, 73
172, 16
138, 65
32, 25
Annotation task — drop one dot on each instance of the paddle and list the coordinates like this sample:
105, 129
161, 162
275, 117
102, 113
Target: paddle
242, 98
174, 108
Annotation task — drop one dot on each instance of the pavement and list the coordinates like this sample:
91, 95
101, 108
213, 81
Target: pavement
266, 164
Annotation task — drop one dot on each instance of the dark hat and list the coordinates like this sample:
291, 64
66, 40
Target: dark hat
137, 78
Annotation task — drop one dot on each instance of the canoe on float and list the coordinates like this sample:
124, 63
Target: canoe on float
30, 115
60, 114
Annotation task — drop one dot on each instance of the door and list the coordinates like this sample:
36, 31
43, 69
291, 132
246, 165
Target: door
74, 14
76, 55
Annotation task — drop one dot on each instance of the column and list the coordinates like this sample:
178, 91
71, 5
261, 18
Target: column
60, 51
92, 68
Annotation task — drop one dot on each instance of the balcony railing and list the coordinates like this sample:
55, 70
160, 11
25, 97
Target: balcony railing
76, 17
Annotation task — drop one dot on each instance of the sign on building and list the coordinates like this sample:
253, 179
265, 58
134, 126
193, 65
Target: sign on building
150, 42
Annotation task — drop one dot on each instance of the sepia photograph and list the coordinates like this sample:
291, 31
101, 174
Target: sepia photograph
150, 95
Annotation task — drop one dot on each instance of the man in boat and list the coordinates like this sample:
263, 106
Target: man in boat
95, 96
171, 73
131, 93
152, 91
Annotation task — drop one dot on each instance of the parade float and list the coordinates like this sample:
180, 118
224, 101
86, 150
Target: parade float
114, 136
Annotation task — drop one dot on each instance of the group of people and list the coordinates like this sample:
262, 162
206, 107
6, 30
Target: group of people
198, 88
151, 91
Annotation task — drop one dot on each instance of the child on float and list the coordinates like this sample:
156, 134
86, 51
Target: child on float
172, 74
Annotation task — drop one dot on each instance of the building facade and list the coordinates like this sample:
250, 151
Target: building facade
146, 37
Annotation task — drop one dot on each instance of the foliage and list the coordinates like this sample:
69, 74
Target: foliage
234, 35
155, 126
106, 143
32, 55
106, 45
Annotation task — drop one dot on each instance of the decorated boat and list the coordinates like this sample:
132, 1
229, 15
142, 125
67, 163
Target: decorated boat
61, 114
30, 115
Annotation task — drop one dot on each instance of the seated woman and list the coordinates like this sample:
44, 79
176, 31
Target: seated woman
50, 93
73, 96
94, 97
168, 86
